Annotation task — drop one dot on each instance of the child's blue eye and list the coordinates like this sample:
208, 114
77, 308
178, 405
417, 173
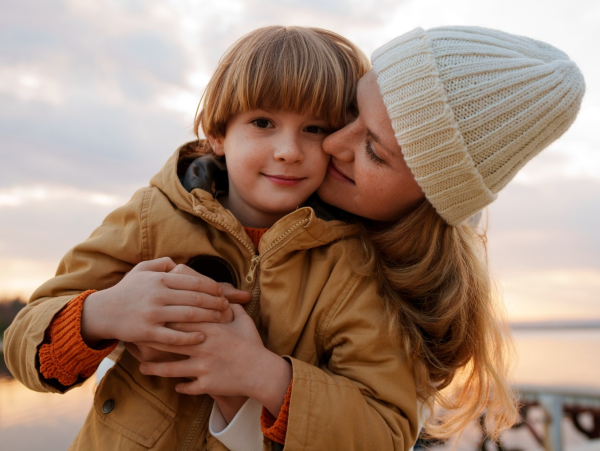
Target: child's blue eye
263, 123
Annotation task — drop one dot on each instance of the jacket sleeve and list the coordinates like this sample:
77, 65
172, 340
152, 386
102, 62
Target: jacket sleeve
362, 395
98, 263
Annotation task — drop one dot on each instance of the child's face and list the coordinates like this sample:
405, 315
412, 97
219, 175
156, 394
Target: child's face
274, 162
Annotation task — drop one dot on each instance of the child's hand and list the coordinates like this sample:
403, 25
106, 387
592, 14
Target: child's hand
148, 297
232, 294
231, 361
148, 354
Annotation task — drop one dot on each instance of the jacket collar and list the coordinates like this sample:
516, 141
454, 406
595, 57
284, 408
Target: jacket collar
191, 183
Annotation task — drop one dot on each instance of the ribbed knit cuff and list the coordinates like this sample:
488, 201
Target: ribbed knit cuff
275, 428
64, 355
426, 128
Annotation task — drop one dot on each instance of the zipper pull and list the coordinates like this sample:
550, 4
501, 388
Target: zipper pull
253, 264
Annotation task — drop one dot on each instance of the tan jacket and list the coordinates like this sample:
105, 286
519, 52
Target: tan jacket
353, 388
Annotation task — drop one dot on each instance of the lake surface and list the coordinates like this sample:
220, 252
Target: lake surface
30, 420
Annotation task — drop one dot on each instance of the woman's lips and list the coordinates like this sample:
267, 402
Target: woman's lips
334, 172
284, 180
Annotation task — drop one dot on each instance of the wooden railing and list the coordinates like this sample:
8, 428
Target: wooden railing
558, 403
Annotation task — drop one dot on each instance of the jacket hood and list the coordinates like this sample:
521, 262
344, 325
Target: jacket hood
191, 183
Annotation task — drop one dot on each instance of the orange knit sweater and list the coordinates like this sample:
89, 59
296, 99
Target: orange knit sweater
65, 356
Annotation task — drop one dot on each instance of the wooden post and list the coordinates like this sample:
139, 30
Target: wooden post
553, 407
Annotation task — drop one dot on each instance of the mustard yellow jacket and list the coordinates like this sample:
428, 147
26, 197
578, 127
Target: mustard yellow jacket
353, 388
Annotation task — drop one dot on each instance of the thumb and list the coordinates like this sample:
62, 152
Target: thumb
164, 264
238, 311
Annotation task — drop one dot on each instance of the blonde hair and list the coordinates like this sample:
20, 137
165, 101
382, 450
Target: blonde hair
443, 307
297, 69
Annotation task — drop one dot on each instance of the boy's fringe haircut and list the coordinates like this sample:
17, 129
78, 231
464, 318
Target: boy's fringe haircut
296, 69
444, 309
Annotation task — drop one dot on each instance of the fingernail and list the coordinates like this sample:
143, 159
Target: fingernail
220, 291
217, 316
177, 389
143, 369
200, 338
225, 303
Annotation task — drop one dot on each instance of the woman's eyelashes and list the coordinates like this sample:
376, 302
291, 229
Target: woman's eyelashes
371, 154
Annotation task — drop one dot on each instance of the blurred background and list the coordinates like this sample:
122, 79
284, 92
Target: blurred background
96, 95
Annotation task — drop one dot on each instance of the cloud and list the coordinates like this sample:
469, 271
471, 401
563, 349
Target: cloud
552, 294
43, 222
550, 225
544, 248
95, 96
20, 196
20, 277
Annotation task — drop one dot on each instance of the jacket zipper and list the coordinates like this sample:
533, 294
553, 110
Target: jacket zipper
254, 263
202, 411
256, 259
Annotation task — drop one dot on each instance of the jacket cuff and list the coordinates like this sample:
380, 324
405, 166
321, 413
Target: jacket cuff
243, 432
275, 428
64, 355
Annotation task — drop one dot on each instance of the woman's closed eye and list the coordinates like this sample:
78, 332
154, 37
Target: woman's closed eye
371, 153
261, 122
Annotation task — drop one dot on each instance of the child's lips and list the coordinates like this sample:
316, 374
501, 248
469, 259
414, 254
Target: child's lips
284, 180
334, 172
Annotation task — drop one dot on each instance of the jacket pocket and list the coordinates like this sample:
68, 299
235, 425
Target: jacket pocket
123, 405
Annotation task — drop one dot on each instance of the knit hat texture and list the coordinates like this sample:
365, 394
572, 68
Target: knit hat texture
470, 106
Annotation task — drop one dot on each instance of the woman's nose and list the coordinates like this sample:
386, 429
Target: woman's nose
341, 143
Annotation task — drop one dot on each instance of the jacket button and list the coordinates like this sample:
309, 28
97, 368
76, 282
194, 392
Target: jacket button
108, 406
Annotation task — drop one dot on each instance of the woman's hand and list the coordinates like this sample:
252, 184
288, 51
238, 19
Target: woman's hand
230, 361
148, 297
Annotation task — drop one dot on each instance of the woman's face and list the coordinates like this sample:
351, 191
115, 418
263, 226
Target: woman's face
367, 174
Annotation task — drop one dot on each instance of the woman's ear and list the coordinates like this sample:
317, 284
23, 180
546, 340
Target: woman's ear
216, 144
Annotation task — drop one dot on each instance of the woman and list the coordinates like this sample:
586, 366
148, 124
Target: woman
445, 120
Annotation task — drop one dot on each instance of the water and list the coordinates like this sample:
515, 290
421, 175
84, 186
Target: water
30, 420
563, 357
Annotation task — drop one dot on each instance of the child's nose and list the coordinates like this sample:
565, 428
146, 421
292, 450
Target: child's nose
289, 150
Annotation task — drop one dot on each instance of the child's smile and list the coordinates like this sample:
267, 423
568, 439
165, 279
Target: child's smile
274, 163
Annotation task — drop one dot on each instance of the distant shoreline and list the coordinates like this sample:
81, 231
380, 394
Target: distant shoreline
556, 325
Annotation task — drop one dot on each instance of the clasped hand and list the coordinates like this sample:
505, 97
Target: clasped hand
152, 294
179, 323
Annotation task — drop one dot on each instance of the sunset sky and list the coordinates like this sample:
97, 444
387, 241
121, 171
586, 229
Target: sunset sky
96, 95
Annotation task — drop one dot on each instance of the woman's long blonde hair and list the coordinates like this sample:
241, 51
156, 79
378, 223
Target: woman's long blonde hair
443, 307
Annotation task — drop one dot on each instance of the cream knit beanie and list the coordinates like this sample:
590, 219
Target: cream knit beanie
470, 106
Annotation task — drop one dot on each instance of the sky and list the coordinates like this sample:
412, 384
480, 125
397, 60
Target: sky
95, 96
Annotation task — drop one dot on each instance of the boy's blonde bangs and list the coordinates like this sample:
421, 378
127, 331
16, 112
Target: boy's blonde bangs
302, 70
